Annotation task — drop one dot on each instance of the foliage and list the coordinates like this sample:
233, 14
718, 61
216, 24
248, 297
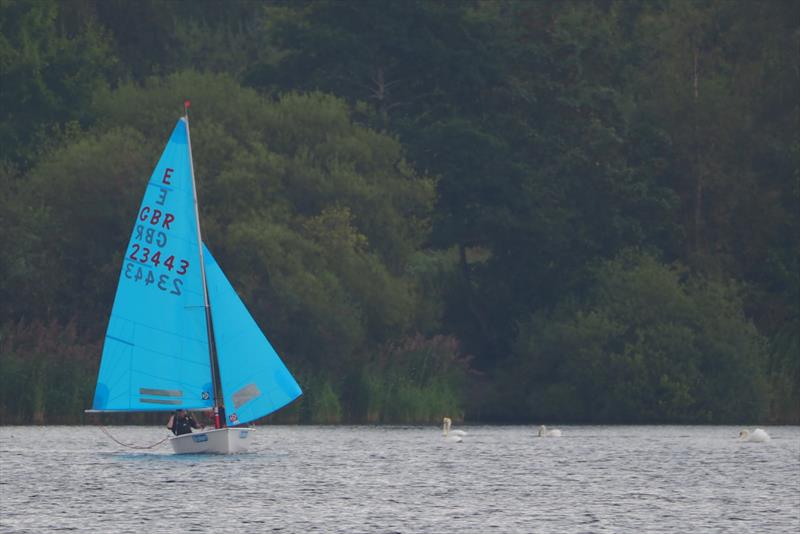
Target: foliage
48, 373
50, 66
648, 344
472, 173
415, 381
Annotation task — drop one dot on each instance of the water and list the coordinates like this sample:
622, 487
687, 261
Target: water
404, 479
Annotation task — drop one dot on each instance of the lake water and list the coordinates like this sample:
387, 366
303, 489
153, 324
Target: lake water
404, 479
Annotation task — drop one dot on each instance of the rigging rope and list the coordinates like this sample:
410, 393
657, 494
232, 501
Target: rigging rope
107, 433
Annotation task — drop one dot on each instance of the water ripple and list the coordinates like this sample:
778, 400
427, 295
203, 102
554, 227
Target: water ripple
405, 480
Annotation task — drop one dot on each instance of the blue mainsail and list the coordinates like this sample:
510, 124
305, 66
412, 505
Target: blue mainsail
156, 354
255, 382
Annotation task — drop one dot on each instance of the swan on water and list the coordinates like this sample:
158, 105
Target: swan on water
552, 433
757, 435
451, 435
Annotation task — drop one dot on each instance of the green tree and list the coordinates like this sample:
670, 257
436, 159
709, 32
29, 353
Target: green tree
50, 65
647, 344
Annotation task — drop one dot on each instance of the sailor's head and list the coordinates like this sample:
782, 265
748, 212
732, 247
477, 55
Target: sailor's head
180, 411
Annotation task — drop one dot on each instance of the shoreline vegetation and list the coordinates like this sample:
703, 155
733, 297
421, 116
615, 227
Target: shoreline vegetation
582, 212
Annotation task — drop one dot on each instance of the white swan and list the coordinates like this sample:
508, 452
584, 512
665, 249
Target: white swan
456, 436
756, 435
544, 433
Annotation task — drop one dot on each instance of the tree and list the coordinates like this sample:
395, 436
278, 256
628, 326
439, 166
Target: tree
647, 344
50, 68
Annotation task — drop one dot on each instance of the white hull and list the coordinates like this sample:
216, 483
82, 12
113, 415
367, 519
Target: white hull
217, 441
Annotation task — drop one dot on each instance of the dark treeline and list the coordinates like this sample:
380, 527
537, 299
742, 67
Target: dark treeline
494, 210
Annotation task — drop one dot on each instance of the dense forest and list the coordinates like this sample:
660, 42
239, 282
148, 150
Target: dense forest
500, 210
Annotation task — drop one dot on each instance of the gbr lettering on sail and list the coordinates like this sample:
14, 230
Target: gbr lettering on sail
148, 261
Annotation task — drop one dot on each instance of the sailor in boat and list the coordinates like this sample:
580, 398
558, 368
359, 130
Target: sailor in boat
182, 422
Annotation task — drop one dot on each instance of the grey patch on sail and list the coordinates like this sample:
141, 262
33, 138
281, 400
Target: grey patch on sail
161, 392
245, 395
161, 401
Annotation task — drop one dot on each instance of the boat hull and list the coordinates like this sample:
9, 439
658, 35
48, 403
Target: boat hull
216, 441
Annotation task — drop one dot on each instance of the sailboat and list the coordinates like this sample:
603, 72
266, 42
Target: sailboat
179, 336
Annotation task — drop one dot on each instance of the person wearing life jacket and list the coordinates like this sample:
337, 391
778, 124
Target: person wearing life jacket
182, 422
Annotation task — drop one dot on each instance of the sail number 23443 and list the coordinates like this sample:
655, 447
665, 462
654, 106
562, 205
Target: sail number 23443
143, 255
144, 274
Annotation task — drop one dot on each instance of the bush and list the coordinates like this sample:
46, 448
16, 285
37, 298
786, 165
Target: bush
648, 344
48, 373
415, 381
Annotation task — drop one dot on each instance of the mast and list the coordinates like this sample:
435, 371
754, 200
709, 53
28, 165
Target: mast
219, 404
